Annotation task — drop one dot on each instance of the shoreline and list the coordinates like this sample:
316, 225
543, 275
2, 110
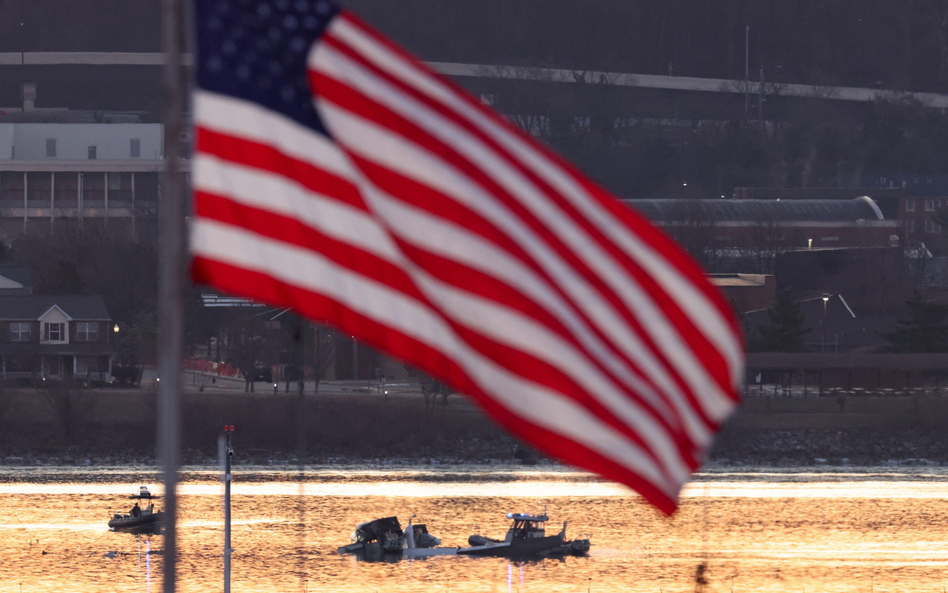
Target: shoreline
775, 450
115, 427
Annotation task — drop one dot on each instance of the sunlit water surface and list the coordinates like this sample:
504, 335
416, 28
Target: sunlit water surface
794, 530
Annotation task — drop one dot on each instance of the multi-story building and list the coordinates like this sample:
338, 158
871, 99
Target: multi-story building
53, 175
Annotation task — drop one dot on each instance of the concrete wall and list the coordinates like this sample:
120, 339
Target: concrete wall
6, 140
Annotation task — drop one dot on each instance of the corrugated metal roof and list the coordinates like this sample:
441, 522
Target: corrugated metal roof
23, 307
763, 211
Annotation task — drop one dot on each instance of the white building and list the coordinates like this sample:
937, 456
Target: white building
53, 174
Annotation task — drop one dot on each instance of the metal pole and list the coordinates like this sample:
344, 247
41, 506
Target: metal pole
300, 342
225, 451
747, 36
355, 359
760, 96
171, 277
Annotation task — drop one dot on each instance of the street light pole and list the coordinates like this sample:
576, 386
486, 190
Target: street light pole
826, 299
225, 451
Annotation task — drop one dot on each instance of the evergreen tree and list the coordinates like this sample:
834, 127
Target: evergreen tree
785, 331
923, 329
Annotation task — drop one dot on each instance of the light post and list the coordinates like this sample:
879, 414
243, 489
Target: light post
826, 299
225, 451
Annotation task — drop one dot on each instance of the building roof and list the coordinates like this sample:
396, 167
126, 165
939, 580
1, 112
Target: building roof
15, 280
30, 307
759, 211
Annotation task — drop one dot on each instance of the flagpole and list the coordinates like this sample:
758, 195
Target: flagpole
171, 270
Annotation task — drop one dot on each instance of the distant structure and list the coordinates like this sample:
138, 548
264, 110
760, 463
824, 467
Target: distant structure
747, 292
55, 338
53, 175
911, 201
773, 224
15, 280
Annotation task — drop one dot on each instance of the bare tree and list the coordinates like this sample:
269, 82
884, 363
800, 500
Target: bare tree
431, 389
324, 354
66, 406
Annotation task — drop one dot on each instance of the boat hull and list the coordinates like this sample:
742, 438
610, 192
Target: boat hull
518, 548
150, 522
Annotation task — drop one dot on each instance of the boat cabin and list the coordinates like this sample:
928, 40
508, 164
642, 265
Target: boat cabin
526, 526
144, 500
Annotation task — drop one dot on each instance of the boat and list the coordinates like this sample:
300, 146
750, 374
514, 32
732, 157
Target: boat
375, 539
526, 538
142, 518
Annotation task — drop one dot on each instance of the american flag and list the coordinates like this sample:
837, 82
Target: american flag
336, 174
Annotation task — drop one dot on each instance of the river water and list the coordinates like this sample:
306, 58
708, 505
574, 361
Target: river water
852, 529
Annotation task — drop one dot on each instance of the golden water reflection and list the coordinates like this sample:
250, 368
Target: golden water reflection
792, 531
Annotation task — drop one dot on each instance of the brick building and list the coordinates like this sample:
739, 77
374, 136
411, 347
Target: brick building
55, 338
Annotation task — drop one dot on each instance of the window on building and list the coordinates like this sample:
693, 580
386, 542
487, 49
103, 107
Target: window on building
87, 331
50, 147
910, 225
135, 148
54, 332
20, 331
932, 205
910, 205
92, 153
931, 226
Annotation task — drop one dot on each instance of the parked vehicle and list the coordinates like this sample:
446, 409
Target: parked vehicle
262, 373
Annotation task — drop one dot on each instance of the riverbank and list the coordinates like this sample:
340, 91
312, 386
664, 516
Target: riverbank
102, 428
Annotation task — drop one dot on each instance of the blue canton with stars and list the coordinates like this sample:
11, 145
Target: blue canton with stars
256, 50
